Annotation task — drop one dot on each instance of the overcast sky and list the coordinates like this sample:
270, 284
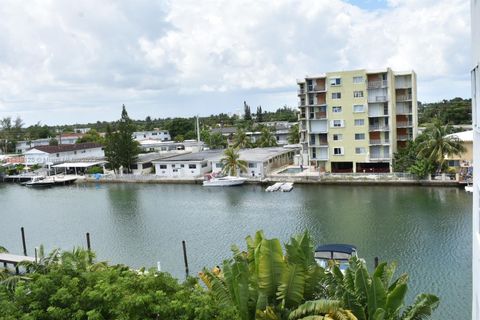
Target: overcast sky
79, 61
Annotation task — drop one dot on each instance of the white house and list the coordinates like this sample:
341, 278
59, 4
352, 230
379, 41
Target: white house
189, 165
46, 155
65, 138
161, 135
260, 161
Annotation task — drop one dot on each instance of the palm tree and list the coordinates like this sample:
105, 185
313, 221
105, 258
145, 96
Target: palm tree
294, 134
435, 144
231, 162
240, 140
267, 139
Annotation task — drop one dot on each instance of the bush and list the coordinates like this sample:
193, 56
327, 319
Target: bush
95, 170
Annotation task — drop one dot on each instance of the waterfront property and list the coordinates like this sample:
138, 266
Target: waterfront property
353, 121
144, 162
476, 161
190, 165
150, 145
260, 161
465, 159
47, 155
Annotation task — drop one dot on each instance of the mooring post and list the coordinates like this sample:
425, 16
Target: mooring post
376, 262
89, 248
185, 257
23, 241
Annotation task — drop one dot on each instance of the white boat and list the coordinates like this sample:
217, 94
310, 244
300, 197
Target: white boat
39, 182
286, 187
274, 187
227, 181
469, 188
338, 254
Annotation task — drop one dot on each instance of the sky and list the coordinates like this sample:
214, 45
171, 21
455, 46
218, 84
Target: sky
65, 62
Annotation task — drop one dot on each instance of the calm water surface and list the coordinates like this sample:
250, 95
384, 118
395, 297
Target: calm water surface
426, 230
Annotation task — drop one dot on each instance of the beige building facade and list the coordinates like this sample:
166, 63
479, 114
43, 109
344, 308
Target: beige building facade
353, 121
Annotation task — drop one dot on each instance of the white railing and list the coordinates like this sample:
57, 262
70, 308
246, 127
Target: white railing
373, 99
404, 97
319, 88
404, 137
379, 141
378, 127
404, 124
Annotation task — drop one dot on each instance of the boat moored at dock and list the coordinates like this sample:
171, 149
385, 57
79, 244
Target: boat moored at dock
226, 181
336, 253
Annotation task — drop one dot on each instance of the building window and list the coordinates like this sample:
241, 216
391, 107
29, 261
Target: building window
175, 170
337, 109
336, 95
358, 94
359, 136
359, 122
252, 165
358, 108
204, 164
335, 81
338, 151
337, 123
218, 165
358, 79
192, 166
360, 150
58, 155
163, 166
337, 137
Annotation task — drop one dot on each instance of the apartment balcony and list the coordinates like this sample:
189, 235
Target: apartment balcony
301, 103
377, 84
319, 144
321, 115
404, 137
404, 97
379, 156
320, 157
404, 111
378, 142
378, 127
300, 91
404, 124
374, 99
319, 89
377, 114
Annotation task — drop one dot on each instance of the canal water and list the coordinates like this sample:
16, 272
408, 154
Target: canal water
426, 230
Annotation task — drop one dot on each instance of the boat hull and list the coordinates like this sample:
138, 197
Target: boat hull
224, 182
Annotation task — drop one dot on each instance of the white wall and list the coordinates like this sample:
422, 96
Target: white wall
35, 156
182, 169
156, 135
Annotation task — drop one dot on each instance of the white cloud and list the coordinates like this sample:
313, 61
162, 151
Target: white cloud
56, 54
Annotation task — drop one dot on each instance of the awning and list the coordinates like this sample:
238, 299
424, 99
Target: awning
79, 164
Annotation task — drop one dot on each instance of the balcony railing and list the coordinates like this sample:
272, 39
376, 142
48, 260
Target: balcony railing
404, 111
373, 99
379, 156
321, 157
378, 127
377, 84
404, 124
404, 137
321, 143
301, 91
319, 88
378, 142
301, 103
320, 115
404, 97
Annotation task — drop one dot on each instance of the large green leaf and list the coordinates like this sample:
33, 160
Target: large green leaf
291, 289
241, 289
423, 307
362, 283
376, 296
379, 314
270, 266
395, 299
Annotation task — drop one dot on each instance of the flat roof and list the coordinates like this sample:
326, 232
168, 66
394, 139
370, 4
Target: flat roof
149, 157
79, 164
462, 136
258, 154
194, 156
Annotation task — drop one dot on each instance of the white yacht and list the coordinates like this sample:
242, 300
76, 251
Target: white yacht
227, 181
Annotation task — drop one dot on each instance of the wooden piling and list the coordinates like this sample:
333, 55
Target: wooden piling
185, 258
23, 241
89, 248
376, 262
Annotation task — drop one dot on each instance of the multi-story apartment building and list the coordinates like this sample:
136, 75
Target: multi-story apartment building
353, 121
476, 157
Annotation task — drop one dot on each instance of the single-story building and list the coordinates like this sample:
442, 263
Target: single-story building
64, 138
48, 155
161, 135
169, 146
186, 165
260, 161
144, 162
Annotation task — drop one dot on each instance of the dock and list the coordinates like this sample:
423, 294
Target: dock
13, 259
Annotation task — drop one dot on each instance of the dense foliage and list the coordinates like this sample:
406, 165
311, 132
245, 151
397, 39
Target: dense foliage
454, 111
66, 285
427, 153
232, 165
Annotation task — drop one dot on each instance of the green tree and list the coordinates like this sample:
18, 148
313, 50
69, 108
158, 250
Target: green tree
294, 134
259, 114
91, 136
434, 144
120, 147
181, 127
53, 142
405, 157
231, 162
247, 114
241, 140
266, 139
454, 111
148, 124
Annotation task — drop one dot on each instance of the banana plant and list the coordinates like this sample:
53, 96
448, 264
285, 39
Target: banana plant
265, 283
376, 296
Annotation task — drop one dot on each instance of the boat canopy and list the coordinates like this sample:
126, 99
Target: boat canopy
335, 251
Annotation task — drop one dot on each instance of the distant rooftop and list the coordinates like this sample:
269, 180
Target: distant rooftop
67, 147
196, 156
